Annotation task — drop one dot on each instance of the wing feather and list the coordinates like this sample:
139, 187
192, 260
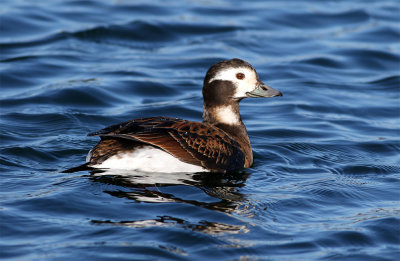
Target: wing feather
192, 142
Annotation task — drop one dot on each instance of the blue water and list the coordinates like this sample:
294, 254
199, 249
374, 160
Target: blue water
325, 183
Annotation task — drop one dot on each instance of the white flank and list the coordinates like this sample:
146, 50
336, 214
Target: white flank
226, 115
148, 159
248, 84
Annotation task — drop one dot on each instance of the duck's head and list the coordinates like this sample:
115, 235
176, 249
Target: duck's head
225, 85
230, 81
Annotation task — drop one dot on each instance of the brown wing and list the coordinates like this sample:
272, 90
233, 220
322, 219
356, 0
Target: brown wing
192, 142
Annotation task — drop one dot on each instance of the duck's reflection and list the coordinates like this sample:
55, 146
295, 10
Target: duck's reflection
155, 187
218, 192
168, 221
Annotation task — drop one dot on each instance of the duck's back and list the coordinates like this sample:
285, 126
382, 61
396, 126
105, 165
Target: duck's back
166, 144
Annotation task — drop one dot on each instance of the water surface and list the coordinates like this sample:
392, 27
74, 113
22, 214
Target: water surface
325, 183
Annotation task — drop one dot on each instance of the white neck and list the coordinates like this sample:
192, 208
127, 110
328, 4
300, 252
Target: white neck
227, 115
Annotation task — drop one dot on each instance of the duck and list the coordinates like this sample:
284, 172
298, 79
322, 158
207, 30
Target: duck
220, 143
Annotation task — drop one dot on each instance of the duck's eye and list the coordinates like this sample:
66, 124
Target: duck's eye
240, 76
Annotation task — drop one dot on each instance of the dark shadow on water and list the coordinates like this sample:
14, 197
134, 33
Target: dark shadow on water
219, 192
147, 187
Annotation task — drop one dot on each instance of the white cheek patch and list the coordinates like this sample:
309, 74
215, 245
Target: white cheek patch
227, 75
248, 84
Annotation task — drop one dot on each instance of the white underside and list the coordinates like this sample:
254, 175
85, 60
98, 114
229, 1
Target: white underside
147, 159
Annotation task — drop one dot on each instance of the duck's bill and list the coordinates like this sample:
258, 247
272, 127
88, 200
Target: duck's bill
263, 91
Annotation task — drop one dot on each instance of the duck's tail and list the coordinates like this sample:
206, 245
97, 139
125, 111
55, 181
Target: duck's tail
79, 168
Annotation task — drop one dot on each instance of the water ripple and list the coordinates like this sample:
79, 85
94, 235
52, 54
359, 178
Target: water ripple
326, 172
